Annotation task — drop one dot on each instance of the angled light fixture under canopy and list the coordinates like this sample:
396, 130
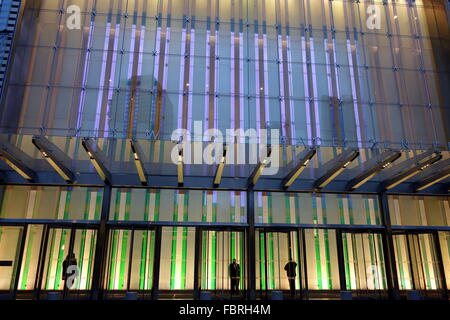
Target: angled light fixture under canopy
372, 167
57, 159
411, 172
180, 165
305, 158
138, 157
11, 155
437, 177
97, 160
256, 174
220, 167
336, 166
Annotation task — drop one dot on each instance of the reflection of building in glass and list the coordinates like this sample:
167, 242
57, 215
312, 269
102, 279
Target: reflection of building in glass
361, 199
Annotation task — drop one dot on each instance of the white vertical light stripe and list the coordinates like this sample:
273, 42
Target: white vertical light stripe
346, 210
291, 90
355, 97
216, 82
314, 82
31, 204
112, 78
102, 78
265, 209
232, 82
258, 90
292, 209
181, 82
373, 219
423, 214
281, 84
62, 204
241, 84
207, 70
266, 81
92, 204
398, 219
447, 211
151, 206
306, 88
191, 80
85, 72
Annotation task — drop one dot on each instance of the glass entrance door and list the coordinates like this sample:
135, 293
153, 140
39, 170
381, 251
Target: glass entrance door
417, 263
130, 262
68, 262
10, 240
278, 263
223, 264
365, 270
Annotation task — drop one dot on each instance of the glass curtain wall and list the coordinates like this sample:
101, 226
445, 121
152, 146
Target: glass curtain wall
316, 70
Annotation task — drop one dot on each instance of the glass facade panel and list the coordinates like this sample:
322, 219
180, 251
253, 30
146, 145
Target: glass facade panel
178, 205
303, 208
30, 258
59, 203
419, 210
177, 258
10, 239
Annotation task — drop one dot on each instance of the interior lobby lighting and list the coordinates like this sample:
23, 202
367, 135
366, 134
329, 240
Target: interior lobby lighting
409, 173
433, 179
138, 161
254, 177
220, 167
387, 159
54, 157
16, 164
341, 163
95, 159
305, 157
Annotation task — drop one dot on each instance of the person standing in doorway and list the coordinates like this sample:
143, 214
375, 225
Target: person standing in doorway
235, 274
291, 274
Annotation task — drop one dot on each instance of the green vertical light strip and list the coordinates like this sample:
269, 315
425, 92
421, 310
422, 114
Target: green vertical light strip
297, 208
114, 261
287, 208
143, 260
347, 261
98, 204
327, 254
350, 210
151, 256
382, 261
91, 259
81, 255
271, 262
60, 258
146, 205
204, 260
157, 204
23, 285
317, 244
213, 259
50, 260
269, 205
262, 261
185, 236
123, 259
341, 209
367, 210
86, 206
174, 242
399, 262
377, 211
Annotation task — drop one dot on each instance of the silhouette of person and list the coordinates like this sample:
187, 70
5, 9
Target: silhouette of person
235, 274
291, 274
69, 261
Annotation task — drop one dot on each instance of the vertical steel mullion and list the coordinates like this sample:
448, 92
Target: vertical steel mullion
42, 260
389, 249
341, 262
251, 244
156, 262
101, 246
19, 258
198, 259
305, 266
